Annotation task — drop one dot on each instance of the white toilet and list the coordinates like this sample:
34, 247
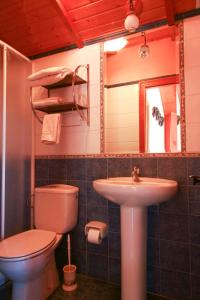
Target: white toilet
27, 258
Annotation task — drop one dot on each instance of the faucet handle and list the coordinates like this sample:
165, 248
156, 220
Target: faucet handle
135, 174
195, 179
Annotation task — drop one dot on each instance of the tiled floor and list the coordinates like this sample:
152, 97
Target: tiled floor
88, 289
93, 289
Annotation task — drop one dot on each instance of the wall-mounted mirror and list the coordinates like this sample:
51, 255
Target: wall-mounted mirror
142, 100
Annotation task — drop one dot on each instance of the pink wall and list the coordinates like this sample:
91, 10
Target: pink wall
126, 65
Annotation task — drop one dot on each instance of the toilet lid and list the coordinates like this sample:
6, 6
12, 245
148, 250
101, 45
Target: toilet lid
26, 243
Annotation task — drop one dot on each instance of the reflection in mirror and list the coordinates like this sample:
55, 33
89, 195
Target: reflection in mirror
123, 71
160, 115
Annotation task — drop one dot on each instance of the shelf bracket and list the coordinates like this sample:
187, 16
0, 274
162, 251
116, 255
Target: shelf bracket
84, 117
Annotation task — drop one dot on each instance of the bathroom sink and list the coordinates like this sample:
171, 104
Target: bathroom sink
124, 191
133, 198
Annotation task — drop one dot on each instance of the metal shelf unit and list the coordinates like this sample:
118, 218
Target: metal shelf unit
71, 79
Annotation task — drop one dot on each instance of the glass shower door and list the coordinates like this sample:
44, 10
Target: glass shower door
18, 145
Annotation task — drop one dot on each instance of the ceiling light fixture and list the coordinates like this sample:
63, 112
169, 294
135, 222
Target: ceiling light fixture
144, 49
115, 45
131, 22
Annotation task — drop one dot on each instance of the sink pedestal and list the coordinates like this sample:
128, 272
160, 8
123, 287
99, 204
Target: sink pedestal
133, 252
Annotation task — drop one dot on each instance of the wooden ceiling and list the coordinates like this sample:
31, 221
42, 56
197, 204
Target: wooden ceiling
36, 27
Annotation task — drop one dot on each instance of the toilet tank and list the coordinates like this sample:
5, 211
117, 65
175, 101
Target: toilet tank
56, 207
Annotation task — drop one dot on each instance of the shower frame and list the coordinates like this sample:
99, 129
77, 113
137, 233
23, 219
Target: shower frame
5, 48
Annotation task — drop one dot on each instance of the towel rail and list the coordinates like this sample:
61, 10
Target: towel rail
33, 109
84, 117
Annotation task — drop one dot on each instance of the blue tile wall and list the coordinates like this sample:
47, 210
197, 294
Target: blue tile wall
173, 255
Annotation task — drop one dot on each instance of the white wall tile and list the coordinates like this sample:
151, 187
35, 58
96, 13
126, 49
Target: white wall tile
121, 134
121, 147
192, 86
191, 28
121, 120
95, 95
122, 99
193, 137
192, 108
191, 52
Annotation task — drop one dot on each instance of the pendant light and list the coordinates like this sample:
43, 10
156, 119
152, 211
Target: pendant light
144, 49
131, 22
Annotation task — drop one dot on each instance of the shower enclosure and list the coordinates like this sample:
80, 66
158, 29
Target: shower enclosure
15, 141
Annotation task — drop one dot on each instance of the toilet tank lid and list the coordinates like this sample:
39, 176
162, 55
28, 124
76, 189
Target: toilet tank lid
57, 188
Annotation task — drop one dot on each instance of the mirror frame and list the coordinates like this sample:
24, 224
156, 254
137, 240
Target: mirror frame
182, 102
155, 82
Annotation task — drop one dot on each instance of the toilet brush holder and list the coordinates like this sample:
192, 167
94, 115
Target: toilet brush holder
69, 284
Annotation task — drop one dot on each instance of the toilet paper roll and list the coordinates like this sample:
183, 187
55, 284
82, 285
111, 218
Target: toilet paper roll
94, 236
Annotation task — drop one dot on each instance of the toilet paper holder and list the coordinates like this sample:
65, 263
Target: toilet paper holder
102, 227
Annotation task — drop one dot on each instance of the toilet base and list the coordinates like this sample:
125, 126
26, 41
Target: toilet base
41, 287
28, 290
51, 280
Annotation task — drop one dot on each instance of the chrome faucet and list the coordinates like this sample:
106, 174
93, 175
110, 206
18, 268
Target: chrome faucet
135, 174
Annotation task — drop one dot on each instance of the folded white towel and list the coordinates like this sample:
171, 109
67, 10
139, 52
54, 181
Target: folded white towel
51, 79
48, 72
47, 102
51, 129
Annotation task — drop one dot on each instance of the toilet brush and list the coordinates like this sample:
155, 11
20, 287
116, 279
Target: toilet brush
69, 271
69, 249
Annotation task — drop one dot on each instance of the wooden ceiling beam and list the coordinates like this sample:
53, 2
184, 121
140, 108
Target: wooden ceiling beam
68, 23
169, 7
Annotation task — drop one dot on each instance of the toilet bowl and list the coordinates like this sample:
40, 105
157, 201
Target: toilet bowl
27, 258
23, 257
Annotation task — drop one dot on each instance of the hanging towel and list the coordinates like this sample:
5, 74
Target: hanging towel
47, 102
51, 129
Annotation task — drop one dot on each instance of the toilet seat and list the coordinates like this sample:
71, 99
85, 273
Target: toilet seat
26, 244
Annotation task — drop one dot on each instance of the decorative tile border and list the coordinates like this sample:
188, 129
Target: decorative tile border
182, 86
115, 155
102, 132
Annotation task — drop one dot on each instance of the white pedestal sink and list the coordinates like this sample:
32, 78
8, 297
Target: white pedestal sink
133, 198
